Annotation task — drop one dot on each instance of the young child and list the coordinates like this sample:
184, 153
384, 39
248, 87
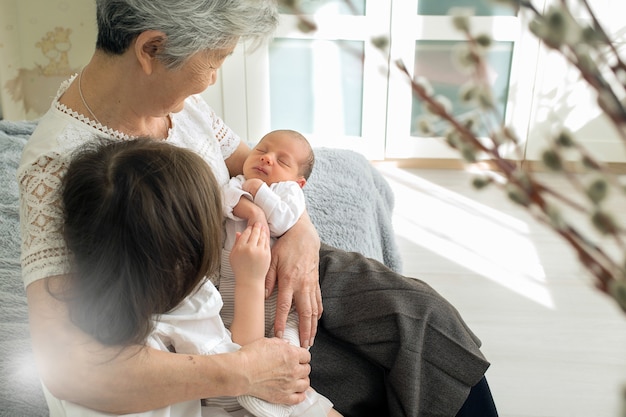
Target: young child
269, 191
143, 222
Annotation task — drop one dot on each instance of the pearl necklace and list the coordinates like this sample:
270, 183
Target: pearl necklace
82, 98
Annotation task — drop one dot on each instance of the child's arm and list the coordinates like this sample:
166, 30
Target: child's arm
250, 260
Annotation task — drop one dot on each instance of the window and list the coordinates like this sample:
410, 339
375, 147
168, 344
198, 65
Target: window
330, 84
339, 90
425, 40
316, 86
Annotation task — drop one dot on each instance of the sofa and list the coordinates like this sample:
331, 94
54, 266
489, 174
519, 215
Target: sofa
348, 200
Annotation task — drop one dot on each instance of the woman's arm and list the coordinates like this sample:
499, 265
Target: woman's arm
76, 368
234, 162
295, 261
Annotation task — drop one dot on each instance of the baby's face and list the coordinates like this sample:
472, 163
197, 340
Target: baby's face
275, 158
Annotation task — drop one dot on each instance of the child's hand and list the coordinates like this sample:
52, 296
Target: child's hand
250, 256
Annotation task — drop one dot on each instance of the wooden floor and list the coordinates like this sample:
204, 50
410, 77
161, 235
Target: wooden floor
557, 345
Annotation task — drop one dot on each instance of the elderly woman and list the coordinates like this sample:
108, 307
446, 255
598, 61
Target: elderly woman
387, 345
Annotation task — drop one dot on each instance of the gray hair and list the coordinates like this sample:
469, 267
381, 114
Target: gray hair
190, 26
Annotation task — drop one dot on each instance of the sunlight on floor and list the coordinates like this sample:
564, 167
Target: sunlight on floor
486, 241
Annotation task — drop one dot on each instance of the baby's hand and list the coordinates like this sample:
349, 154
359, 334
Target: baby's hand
250, 256
252, 185
258, 216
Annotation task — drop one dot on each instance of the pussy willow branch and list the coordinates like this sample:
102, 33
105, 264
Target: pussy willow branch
535, 194
590, 255
508, 167
605, 38
607, 97
438, 109
608, 100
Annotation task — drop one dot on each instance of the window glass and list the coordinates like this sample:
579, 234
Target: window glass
480, 7
329, 7
434, 61
316, 86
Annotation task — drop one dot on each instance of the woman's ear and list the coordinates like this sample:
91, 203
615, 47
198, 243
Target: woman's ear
148, 45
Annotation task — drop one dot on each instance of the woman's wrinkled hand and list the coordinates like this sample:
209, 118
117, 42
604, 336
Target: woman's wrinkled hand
276, 371
295, 270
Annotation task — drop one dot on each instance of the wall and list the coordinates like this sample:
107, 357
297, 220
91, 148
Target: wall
42, 43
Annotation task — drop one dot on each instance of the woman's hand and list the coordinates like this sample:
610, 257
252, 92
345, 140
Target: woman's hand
277, 371
295, 262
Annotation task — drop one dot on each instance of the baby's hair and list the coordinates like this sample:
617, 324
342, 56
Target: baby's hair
307, 166
143, 224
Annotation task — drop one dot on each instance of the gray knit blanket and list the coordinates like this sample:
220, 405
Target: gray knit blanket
348, 200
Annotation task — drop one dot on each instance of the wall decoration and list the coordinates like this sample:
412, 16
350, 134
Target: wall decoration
42, 43
35, 86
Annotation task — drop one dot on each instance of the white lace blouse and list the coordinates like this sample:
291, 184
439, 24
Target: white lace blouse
46, 155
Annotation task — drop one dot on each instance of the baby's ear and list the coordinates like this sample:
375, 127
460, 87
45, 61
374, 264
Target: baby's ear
301, 181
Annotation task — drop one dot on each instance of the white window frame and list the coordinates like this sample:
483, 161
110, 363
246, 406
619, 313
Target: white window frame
246, 99
407, 28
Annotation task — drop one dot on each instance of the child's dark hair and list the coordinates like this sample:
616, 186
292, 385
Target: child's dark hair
143, 223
